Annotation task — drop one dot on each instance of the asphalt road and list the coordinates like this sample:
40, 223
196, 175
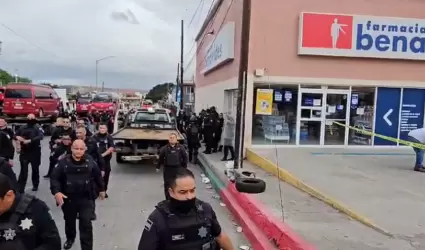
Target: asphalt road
133, 192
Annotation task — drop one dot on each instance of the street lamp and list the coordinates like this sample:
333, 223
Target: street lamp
97, 65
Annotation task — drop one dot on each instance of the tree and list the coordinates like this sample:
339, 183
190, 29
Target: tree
6, 78
160, 91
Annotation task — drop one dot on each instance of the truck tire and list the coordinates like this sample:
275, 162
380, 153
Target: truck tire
119, 158
250, 185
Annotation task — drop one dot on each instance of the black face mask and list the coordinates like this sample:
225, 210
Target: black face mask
31, 122
182, 206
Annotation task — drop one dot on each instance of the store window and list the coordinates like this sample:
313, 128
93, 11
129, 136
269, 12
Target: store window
361, 115
275, 123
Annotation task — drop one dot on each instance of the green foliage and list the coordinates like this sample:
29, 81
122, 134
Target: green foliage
6, 78
160, 91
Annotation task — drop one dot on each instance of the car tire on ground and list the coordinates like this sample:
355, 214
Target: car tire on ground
119, 158
250, 185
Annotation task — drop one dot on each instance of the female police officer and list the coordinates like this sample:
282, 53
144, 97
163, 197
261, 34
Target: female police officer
183, 222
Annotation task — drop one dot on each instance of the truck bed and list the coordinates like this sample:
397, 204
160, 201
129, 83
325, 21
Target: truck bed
145, 134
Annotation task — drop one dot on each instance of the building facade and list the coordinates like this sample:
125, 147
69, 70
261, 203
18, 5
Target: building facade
320, 72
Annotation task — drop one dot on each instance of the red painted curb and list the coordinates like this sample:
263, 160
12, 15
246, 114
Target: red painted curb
284, 237
256, 238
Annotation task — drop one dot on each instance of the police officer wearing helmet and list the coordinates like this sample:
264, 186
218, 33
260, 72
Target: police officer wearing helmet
25, 221
183, 222
29, 137
172, 156
72, 185
193, 142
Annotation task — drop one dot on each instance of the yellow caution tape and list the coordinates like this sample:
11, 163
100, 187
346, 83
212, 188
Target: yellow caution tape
388, 138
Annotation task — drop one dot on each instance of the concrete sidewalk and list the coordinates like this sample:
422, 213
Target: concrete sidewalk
377, 185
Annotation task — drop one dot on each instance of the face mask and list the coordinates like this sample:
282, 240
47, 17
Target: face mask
31, 122
183, 206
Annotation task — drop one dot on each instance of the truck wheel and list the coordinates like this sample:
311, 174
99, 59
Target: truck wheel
119, 158
250, 185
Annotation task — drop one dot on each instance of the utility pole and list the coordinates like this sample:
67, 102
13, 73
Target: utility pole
242, 83
181, 65
103, 86
177, 80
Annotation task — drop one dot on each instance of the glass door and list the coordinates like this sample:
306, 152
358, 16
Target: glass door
335, 118
310, 113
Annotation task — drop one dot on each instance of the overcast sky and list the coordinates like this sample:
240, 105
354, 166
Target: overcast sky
59, 41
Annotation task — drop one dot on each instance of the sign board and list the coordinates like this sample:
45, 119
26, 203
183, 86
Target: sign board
222, 48
412, 111
264, 103
387, 114
361, 36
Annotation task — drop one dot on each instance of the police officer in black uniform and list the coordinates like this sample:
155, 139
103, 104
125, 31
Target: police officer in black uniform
6, 169
183, 222
64, 148
72, 183
193, 142
106, 145
172, 156
25, 221
29, 137
6, 142
63, 128
82, 123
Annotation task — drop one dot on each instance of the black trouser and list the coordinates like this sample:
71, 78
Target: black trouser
110, 127
168, 175
52, 163
226, 150
217, 138
33, 158
84, 209
209, 140
193, 151
107, 173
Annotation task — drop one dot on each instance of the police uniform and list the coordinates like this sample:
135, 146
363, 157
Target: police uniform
77, 180
57, 134
172, 158
6, 143
7, 170
193, 142
30, 154
104, 142
28, 225
167, 229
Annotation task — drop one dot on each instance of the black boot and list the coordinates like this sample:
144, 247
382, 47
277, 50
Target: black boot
68, 244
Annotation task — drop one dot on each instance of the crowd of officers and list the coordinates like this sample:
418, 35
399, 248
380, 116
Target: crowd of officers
79, 171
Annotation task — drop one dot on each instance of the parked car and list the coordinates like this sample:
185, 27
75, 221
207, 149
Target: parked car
21, 99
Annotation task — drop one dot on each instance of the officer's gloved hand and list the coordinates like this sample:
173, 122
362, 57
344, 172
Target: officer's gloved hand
157, 169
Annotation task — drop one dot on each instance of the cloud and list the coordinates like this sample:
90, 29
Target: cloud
61, 40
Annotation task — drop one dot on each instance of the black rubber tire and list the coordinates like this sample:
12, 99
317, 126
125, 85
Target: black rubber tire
119, 158
250, 185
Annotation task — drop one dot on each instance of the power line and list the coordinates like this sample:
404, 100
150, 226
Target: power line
215, 37
201, 2
27, 40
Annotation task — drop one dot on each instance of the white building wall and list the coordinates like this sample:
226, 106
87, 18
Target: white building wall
214, 95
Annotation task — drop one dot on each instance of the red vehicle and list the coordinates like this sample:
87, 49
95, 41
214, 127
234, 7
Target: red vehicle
21, 99
105, 102
2, 89
83, 104
147, 104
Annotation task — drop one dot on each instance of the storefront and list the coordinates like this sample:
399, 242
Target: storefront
325, 116
317, 76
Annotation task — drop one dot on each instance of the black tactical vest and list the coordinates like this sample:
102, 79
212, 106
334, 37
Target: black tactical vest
78, 178
173, 157
102, 143
12, 231
191, 232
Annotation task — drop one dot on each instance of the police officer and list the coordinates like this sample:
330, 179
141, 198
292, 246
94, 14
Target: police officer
192, 133
6, 142
94, 151
82, 123
29, 137
183, 222
62, 149
172, 156
25, 221
56, 140
106, 145
72, 183
208, 128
